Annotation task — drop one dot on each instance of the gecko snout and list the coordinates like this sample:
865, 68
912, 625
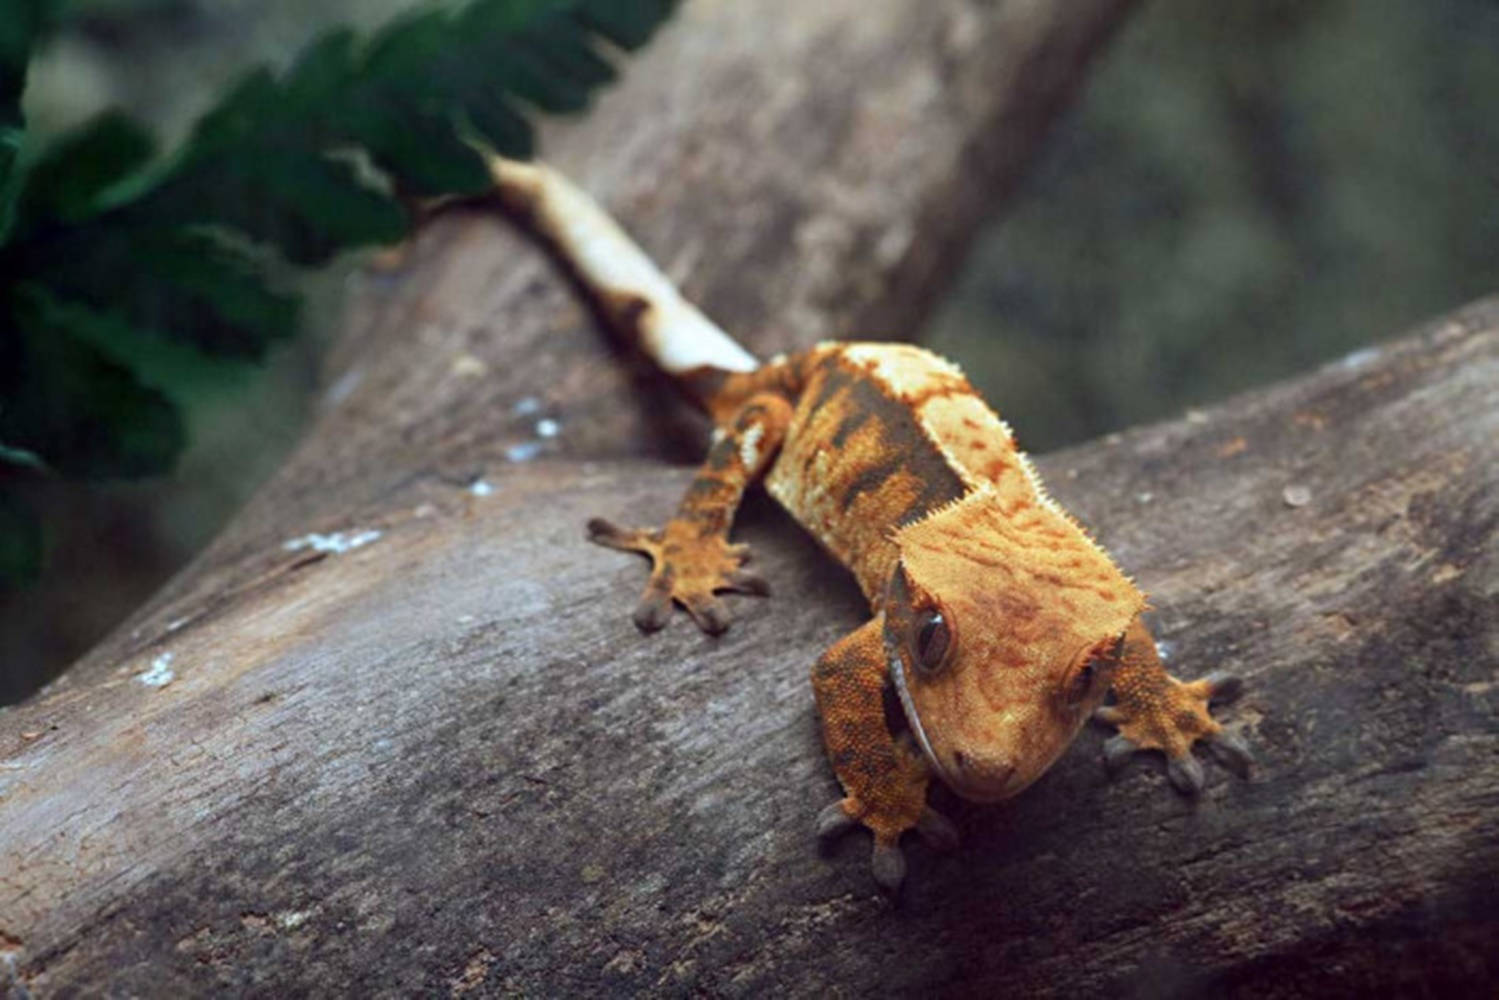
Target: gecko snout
981, 773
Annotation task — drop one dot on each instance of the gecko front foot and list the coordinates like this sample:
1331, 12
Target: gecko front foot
687, 567
1158, 712
886, 861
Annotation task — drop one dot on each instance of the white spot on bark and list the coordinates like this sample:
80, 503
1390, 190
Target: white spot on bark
468, 366
526, 406
1359, 358
1296, 496
892, 246
480, 488
160, 674
523, 452
10, 950
290, 920
547, 428
340, 389
338, 542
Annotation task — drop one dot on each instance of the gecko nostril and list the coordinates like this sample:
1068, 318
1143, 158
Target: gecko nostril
986, 769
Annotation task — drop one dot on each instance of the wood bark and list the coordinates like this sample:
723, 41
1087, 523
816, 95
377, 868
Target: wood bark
426, 751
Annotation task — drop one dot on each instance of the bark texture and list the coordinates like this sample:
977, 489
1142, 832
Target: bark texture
426, 751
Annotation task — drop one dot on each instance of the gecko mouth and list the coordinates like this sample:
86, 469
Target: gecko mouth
996, 791
898, 675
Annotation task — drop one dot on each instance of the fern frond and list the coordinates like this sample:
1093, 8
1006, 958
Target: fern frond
283, 162
23, 24
84, 413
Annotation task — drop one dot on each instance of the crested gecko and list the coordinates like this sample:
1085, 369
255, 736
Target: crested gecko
998, 625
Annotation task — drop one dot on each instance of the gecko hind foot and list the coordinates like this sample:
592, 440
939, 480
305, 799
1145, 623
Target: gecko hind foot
1171, 718
886, 861
688, 568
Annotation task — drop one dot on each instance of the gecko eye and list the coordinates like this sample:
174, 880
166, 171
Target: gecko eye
932, 639
1082, 682
1098, 664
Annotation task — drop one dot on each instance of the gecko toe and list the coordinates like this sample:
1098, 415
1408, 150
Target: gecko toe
1117, 750
1221, 685
834, 821
889, 867
1108, 715
1231, 751
1185, 773
711, 614
744, 582
937, 830
654, 608
607, 533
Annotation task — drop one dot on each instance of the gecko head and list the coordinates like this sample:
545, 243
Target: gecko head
1001, 633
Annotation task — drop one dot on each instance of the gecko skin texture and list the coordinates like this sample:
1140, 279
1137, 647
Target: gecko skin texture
997, 625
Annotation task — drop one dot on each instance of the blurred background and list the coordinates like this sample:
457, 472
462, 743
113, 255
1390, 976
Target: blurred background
1242, 192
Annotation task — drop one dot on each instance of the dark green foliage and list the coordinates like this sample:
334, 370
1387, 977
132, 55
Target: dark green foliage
23, 23
20, 541
84, 412
65, 182
106, 248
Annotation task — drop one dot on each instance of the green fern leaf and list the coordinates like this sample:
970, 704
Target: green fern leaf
23, 23
111, 250
184, 284
20, 541
66, 184
87, 415
628, 25
21, 458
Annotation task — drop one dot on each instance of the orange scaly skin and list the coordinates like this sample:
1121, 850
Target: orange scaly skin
997, 625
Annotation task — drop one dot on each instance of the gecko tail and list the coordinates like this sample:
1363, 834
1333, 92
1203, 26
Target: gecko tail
640, 303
